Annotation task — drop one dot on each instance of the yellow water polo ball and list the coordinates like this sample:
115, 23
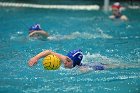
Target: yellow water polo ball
51, 62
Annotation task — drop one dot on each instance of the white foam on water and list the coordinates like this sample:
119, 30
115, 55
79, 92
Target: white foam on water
134, 7
100, 58
119, 77
112, 62
16, 35
66, 7
83, 35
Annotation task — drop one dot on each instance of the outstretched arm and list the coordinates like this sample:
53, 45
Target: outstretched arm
34, 60
41, 32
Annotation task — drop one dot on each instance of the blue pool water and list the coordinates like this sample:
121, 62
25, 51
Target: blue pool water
101, 40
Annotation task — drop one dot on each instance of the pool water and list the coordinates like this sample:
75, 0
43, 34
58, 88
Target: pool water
100, 39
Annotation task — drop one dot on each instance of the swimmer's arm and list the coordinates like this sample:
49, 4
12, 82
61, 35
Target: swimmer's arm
34, 60
41, 32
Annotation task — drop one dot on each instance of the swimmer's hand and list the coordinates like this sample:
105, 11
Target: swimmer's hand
32, 61
124, 18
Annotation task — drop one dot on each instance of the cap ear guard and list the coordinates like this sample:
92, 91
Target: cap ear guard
76, 56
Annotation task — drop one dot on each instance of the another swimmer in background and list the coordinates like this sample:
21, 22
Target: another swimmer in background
36, 32
73, 59
116, 13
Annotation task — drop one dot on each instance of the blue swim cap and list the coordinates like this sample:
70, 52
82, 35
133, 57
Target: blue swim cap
35, 27
76, 56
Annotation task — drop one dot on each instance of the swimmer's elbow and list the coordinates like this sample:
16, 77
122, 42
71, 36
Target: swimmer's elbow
48, 51
30, 35
43, 54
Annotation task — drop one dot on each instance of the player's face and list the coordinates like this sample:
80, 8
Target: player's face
68, 63
115, 11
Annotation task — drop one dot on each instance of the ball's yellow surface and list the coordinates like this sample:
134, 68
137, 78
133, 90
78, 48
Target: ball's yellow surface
51, 62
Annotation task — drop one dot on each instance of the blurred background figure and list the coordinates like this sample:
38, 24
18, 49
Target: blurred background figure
36, 32
116, 13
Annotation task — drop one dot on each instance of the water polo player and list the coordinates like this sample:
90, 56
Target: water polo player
35, 31
72, 59
116, 13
